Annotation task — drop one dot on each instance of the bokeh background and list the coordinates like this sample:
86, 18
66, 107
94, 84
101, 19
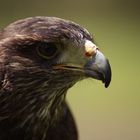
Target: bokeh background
101, 114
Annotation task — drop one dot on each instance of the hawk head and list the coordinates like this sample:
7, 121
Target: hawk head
40, 59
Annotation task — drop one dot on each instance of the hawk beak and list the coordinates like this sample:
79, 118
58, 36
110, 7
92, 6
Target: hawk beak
98, 67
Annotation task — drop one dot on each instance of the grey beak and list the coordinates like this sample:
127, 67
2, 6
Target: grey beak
99, 68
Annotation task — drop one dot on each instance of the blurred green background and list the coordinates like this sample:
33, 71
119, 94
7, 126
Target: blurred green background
101, 114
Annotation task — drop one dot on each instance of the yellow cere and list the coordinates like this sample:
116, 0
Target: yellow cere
90, 48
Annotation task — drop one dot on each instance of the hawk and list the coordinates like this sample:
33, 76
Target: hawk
40, 59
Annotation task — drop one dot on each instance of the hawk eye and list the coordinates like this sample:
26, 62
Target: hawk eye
47, 50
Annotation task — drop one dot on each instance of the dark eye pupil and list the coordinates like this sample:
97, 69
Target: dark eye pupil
47, 50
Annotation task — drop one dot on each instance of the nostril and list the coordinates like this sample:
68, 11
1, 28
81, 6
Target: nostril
97, 48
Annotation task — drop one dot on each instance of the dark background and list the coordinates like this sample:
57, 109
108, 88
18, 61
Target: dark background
101, 114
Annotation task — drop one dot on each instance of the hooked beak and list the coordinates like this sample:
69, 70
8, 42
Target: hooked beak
95, 65
98, 67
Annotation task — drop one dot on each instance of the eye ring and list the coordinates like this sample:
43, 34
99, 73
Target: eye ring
47, 50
